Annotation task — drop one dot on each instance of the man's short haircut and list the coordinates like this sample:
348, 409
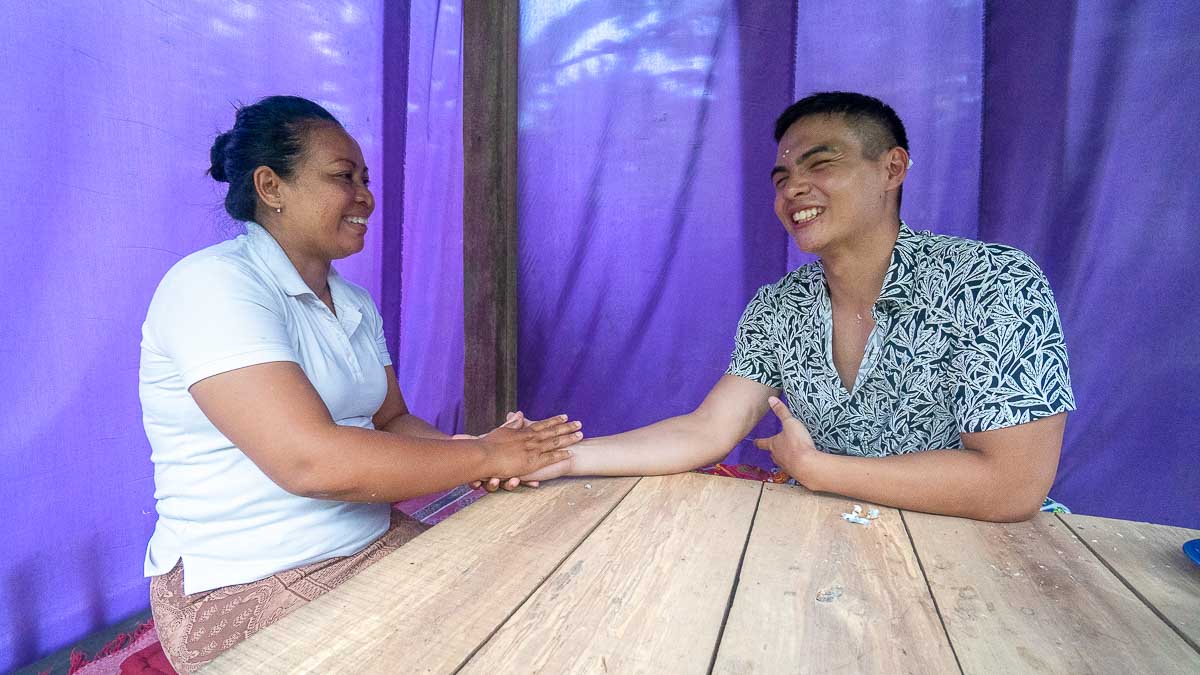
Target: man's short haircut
876, 124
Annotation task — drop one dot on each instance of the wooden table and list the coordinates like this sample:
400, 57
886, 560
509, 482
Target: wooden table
697, 574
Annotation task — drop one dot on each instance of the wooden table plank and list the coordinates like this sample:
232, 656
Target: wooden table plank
430, 604
1151, 561
820, 595
1031, 598
646, 593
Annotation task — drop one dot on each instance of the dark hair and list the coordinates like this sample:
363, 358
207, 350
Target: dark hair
877, 125
269, 133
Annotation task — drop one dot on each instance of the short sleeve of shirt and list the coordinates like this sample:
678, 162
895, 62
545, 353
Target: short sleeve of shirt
212, 316
754, 353
1011, 364
377, 326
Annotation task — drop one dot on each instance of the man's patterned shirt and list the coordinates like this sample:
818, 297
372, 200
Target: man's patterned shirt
967, 338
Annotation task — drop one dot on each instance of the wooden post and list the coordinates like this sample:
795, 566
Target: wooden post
490, 36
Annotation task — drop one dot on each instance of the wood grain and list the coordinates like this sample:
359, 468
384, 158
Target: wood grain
1150, 559
820, 595
429, 605
646, 593
490, 39
1031, 598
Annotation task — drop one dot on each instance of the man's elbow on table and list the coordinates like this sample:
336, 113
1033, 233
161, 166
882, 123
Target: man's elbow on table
1019, 465
1011, 509
1013, 498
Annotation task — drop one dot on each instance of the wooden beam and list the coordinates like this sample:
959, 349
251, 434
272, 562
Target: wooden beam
490, 35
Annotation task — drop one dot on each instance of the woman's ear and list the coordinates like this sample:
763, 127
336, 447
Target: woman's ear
267, 184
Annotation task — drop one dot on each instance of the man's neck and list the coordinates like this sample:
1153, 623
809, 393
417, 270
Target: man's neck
855, 275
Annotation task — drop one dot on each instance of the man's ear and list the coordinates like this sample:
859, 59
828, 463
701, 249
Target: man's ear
267, 184
897, 167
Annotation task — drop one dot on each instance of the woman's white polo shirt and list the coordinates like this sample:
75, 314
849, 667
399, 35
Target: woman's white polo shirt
236, 304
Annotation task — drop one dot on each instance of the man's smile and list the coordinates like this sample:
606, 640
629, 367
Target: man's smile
804, 216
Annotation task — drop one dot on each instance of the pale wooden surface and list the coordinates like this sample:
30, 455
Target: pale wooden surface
820, 595
642, 576
646, 593
1031, 598
1150, 559
429, 605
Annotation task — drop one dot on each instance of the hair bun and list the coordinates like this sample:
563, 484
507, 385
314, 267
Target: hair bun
217, 156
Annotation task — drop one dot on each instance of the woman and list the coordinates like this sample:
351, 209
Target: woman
278, 431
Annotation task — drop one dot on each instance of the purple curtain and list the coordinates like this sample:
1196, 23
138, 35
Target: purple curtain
430, 363
1089, 130
645, 130
109, 110
645, 205
924, 59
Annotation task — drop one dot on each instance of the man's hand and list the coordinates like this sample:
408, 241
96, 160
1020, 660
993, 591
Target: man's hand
549, 472
792, 448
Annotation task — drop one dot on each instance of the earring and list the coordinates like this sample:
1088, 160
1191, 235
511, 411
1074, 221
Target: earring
278, 210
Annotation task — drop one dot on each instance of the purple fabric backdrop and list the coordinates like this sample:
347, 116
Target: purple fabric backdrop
925, 60
645, 204
1089, 135
108, 113
646, 219
430, 363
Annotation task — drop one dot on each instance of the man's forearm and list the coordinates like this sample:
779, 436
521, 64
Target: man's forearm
950, 482
671, 446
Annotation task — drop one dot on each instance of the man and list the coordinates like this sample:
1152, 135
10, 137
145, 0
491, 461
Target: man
922, 372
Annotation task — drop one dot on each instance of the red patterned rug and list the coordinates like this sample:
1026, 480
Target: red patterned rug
128, 653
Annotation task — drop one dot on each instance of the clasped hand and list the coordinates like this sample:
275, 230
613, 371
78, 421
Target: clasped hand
525, 447
792, 448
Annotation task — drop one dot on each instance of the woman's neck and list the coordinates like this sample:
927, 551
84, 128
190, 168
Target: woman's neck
313, 269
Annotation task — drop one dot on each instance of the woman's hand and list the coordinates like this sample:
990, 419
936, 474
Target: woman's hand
523, 447
517, 420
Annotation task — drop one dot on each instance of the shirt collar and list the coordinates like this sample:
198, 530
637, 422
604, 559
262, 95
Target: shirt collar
280, 267
276, 261
898, 282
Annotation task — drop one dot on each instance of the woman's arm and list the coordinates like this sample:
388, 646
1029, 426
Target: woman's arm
273, 414
393, 416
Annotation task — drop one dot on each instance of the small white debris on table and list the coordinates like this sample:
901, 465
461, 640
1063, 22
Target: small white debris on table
856, 515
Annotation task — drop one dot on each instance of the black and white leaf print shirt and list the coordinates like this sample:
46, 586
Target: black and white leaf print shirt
967, 338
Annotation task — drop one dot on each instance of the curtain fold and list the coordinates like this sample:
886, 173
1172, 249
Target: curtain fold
645, 211
429, 366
